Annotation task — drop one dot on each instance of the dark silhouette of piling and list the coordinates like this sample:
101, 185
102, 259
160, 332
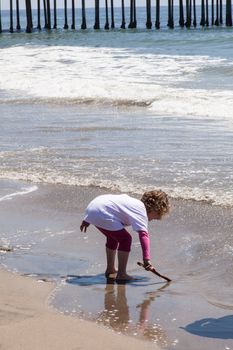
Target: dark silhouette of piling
73, 15
212, 12
48, 15
65, 15
106, 15
157, 20
131, 15
28, 16
217, 14
134, 14
220, 13
55, 14
188, 14
194, 14
11, 29
207, 14
97, 15
170, 22
112, 15
219, 19
123, 14
181, 13
45, 15
18, 27
133, 20
228, 13
202, 22
148, 14
84, 22
38, 15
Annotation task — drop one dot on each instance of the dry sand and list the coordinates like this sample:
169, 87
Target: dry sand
27, 322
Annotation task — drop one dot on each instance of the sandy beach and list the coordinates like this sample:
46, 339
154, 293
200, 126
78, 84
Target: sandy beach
28, 323
56, 294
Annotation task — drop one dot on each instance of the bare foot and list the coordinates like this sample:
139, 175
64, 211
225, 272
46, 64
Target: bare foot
124, 277
111, 274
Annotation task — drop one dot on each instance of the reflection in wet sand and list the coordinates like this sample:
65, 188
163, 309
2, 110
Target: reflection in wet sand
116, 315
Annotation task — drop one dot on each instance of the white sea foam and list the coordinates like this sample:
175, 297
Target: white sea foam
214, 196
196, 103
165, 82
22, 192
166, 85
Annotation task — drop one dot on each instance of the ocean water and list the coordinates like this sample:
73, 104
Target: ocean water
84, 112
150, 108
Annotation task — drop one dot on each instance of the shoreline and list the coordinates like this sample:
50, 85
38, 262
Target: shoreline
42, 229
27, 322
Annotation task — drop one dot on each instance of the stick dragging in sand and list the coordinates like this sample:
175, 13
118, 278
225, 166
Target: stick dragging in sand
152, 269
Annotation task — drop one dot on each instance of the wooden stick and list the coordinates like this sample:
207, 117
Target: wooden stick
155, 272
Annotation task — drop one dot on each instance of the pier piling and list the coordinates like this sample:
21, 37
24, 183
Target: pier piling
18, 27
202, 22
73, 15
131, 15
133, 20
181, 13
45, 15
29, 25
170, 14
65, 15
97, 15
188, 13
123, 14
220, 13
38, 15
228, 13
217, 13
84, 23
48, 15
106, 27
55, 14
11, 29
112, 15
194, 14
157, 21
212, 12
207, 14
148, 14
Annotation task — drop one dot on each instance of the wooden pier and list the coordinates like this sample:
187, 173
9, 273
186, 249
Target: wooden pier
211, 14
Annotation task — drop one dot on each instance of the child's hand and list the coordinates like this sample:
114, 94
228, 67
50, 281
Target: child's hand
84, 226
147, 265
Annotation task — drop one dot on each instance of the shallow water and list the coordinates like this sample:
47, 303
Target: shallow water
192, 246
126, 149
158, 115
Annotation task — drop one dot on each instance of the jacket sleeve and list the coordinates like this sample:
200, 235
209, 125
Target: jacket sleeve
145, 244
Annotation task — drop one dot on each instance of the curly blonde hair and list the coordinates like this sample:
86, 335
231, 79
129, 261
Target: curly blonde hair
156, 200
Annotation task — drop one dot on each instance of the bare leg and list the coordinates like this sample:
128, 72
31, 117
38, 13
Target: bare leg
110, 254
122, 264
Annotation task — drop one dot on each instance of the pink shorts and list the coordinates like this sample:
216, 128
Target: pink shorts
120, 240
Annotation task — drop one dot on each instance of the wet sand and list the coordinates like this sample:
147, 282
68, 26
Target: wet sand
194, 311
27, 322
